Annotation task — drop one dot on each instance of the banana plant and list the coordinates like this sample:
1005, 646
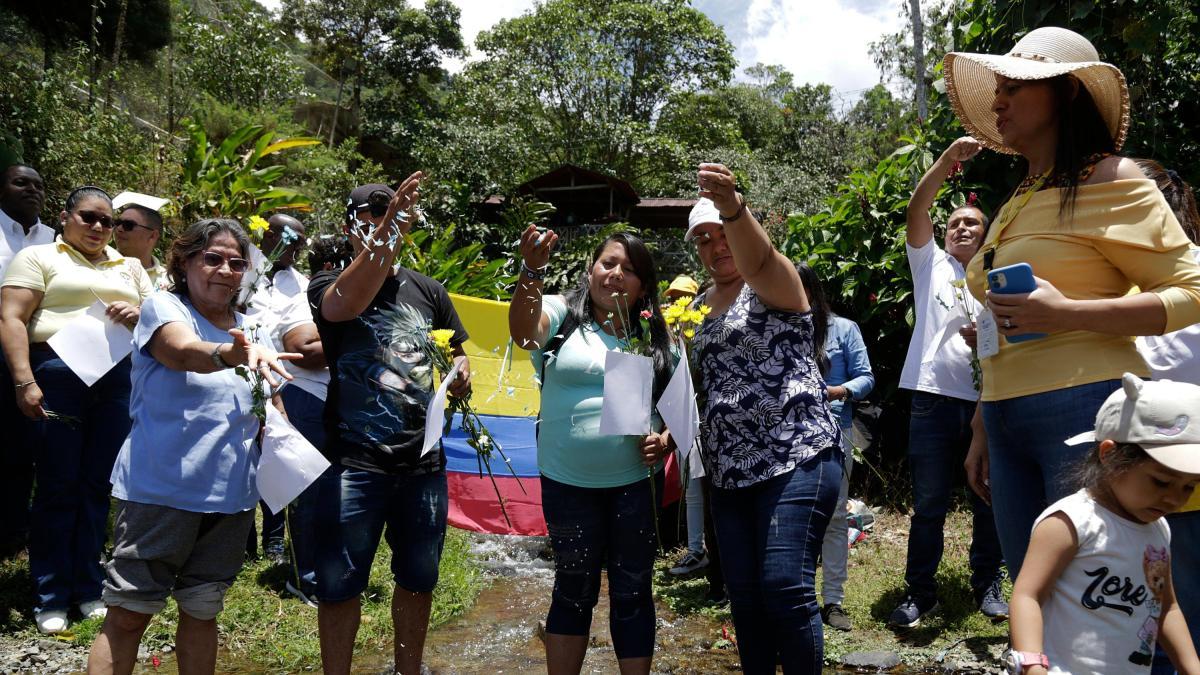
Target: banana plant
227, 180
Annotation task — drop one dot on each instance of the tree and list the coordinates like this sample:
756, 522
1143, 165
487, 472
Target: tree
61, 24
583, 81
377, 43
238, 57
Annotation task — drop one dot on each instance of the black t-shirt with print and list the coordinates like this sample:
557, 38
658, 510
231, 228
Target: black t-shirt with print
380, 382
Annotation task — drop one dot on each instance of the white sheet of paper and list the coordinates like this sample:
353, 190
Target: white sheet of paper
289, 463
435, 415
677, 405
988, 340
92, 344
628, 384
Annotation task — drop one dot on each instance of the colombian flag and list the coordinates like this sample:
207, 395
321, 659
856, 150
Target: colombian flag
507, 400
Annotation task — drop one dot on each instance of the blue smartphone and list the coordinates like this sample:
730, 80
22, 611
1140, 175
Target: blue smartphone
1016, 278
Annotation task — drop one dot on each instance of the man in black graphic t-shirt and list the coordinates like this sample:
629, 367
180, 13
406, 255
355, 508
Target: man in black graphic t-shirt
372, 318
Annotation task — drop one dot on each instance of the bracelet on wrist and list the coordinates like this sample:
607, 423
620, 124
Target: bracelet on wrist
533, 274
737, 214
218, 360
22, 385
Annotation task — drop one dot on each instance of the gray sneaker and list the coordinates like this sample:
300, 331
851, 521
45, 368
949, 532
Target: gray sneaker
991, 602
908, 614
690, 562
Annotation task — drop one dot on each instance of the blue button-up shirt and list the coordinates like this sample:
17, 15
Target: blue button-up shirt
849, 366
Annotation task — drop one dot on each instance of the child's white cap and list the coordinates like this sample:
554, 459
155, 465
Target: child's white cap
1161, 416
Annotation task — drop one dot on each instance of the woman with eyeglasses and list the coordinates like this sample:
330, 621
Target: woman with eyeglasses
76, 429
184, 478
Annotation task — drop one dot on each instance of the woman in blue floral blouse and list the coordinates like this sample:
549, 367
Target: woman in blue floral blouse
771, 445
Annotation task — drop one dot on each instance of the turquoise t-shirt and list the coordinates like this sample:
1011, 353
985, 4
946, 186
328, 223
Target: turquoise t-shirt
570, 447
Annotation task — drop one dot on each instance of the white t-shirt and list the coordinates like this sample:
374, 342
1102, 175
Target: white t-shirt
1103, 614
13, 238
280, 304
1174, 356
939, 360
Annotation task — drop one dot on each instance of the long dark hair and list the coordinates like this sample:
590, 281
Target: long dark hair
193, 241
1178, 194
579, 304
1095, 475
1081, 134
821, 314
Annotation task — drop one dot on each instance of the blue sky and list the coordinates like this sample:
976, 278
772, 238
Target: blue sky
817, 40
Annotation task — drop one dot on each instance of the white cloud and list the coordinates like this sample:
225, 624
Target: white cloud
819, 41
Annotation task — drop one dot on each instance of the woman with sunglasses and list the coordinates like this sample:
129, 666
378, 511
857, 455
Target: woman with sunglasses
184, 478
75, 429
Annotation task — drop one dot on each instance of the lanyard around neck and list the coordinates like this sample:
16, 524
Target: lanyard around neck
1007, 215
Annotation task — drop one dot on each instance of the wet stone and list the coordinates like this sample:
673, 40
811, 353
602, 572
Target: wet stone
873, 660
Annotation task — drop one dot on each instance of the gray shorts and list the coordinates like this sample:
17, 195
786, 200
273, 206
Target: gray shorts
160, 551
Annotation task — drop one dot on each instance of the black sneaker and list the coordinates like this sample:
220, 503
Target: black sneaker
835, 617
690, 562
991, 601
908, 614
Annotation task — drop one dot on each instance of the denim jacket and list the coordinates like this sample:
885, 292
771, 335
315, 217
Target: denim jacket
849, 366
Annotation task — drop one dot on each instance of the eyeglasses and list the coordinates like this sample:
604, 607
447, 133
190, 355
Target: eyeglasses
236, 265
90, 218
128, 225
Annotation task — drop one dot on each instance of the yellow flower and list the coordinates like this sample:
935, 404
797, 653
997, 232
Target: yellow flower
705, 309
257, 224
441, 338
689, 333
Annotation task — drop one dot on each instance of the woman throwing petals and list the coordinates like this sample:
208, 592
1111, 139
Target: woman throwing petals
596, 494
770, 442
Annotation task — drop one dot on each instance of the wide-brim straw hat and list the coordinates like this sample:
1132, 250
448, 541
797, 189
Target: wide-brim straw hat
1043, 53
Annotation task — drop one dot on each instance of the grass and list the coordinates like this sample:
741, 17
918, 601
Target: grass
957, 634
263, 625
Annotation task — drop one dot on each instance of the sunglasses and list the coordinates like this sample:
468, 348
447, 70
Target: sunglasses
236, 265
128, 225
90, 218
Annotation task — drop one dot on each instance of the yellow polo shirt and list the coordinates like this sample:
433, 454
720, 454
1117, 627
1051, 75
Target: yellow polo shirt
1122, 235
70, 283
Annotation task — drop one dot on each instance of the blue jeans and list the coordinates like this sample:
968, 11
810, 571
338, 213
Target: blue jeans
594, 528
1030, 465
1185, 577
939, 435
770, 534
353, 507
305, 412
74, 461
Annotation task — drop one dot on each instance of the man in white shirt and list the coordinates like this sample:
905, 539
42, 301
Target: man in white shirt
939, 371
22, 197
138, 229
280, 306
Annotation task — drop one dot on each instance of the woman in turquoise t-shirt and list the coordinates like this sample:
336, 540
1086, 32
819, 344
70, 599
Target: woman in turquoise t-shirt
596, 492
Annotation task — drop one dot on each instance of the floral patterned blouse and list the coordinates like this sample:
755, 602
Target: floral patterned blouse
764, 410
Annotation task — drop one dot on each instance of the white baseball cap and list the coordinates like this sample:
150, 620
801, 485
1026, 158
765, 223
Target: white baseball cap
1161, 416
139, 199
703, 212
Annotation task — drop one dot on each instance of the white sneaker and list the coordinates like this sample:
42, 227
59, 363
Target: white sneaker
51, 621
93, 609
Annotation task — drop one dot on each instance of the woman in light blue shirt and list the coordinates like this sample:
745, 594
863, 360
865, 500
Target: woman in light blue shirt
596, 489
848, 378
184, 479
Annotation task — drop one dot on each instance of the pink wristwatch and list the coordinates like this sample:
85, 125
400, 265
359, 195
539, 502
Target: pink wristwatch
1017, 662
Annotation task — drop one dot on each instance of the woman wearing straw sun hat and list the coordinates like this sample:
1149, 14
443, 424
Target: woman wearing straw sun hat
1092, 228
